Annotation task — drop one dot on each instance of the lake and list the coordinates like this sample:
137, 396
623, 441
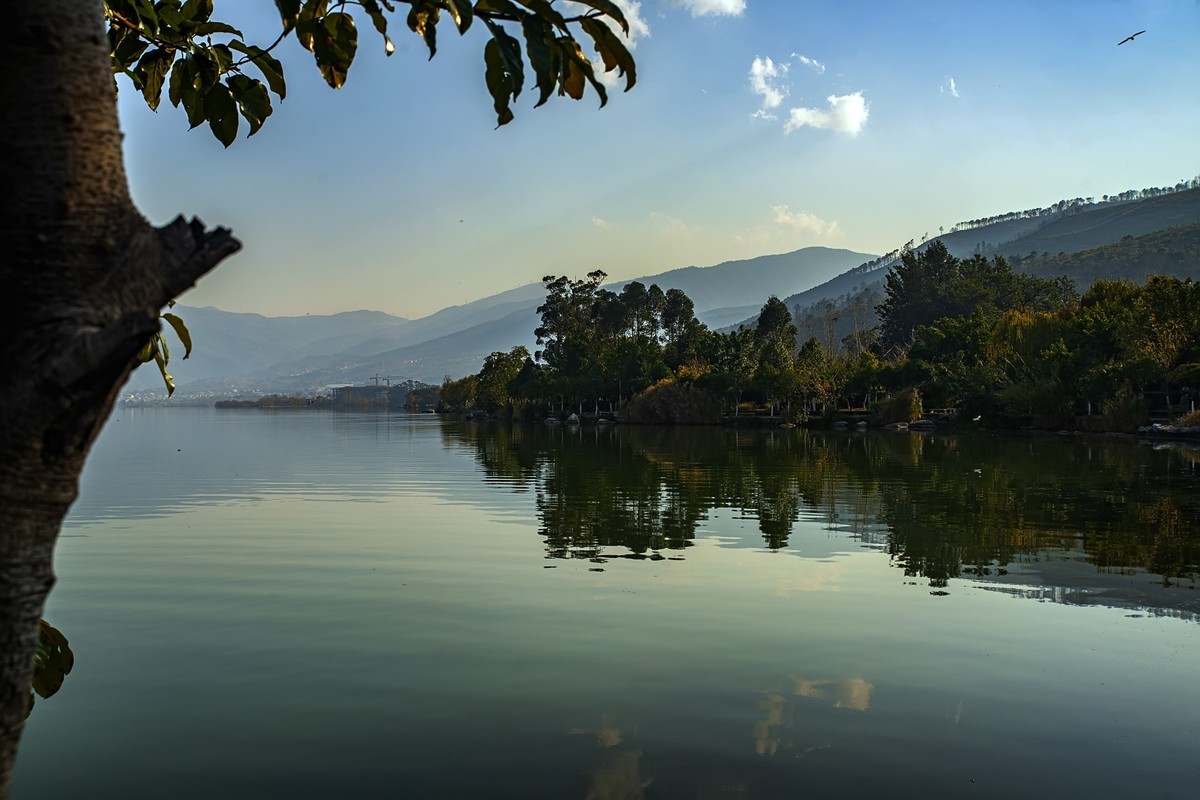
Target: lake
317, 605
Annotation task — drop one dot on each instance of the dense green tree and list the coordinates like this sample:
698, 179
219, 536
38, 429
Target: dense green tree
494, 380
681, 330
932, 284
458, 395
733, 360
775, 340
85, 275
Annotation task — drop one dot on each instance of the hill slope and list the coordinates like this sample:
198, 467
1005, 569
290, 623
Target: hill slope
252, 353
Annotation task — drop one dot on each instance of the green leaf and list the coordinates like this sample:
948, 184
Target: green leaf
208, 71
222, 114
147, 352
542, 57
161, 344
183, 81
608, 8
197, 11
577, 69
152, 73
170, 16
510, 53
546, 13
380, 23
222, 55
498, 7
53, 660
461, 12
612, 50
335, 42
499, 84
266, 63
311, 14
162, 368
288, 11
422, 20
209, 28
147, 16
127, 49
255, 104
570, 76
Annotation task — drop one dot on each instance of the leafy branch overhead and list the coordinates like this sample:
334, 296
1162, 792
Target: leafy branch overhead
217, 77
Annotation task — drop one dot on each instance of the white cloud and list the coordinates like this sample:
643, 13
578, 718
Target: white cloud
766, 81
715, 8
602, 223
804, 222
810, 62
949, 87
846, 114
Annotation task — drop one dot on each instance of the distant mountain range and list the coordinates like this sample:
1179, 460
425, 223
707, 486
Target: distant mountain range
1128, 239
833, 291
249, 354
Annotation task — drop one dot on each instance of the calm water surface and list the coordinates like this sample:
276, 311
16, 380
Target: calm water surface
311, 605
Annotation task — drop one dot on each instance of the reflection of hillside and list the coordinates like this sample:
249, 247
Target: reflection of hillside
942, 507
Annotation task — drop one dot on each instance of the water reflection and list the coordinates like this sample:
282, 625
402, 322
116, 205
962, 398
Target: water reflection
852, 693
619, 778
1004, 510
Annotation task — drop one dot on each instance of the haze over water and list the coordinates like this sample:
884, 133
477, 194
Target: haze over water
381, 605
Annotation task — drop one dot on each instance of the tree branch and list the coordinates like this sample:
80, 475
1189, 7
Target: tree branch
189, 252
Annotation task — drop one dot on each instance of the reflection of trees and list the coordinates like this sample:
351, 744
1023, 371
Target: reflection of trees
942, 507
971, 506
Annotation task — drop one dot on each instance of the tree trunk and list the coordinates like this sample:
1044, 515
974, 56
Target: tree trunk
84, 278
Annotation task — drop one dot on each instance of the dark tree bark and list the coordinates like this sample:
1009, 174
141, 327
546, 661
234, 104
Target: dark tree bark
83, 277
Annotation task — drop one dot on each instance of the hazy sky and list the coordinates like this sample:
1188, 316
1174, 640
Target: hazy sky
756, 126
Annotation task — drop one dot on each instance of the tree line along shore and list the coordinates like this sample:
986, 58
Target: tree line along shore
971, 338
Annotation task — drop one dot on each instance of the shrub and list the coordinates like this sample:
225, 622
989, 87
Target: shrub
901, 406
1189, 420
1125, 411
669, 402
1048, 402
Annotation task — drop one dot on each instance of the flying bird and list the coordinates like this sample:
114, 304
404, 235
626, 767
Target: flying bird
1130, 38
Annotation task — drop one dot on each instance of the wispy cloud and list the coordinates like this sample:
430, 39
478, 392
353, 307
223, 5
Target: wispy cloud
766, 81
846, 114
804, 222
714, 8
949, 87
810, 62
671, 227
602, 223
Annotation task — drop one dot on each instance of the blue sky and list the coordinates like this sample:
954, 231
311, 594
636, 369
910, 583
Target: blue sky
756, 127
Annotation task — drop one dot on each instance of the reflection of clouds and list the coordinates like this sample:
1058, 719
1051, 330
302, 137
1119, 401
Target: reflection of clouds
767, 731
852, 693
619, 779
817, 576
607, 735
